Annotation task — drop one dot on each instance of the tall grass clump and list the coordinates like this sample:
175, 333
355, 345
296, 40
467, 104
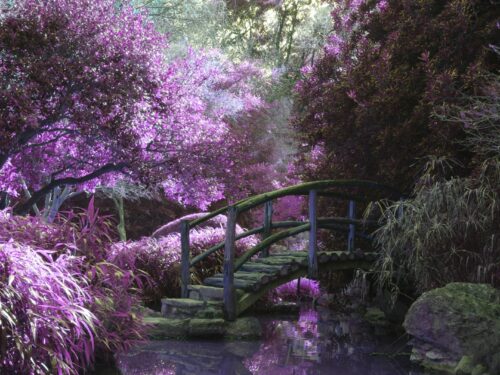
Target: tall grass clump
449, 230
67, 258
45, 326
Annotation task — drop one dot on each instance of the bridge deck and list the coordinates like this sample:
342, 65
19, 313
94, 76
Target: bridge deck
256, 277
256, 274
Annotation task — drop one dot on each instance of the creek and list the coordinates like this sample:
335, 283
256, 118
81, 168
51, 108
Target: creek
316, 341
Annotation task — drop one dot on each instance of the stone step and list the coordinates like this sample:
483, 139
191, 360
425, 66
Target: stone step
181, 307
205, 293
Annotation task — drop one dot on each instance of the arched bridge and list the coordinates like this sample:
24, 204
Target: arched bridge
246, 278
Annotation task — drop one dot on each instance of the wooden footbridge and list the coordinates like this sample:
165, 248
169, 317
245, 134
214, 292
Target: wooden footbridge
245, 279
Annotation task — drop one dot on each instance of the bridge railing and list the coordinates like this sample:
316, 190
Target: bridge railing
291, 228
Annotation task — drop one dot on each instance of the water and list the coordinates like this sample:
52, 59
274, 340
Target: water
314, 343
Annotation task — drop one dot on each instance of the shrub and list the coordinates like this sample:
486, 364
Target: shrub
45, 325
388, 64
449, 230
160, 258
33, 231
309, 289
113, 291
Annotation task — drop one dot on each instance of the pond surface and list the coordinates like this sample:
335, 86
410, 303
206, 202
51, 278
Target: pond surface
312, 343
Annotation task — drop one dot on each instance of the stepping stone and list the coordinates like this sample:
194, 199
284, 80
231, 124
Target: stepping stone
205, 293
180, 307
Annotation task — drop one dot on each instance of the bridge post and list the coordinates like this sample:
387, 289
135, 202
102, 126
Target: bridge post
185, 258
352, 227
229, 292
313, 232
268, 220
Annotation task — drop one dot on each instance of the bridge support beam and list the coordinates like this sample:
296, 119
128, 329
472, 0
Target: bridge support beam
268, 222
185, 259
228, 281
351, 214
313, 233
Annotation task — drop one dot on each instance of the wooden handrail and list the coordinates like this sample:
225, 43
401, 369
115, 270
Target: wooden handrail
323, 223
215, 248
303, 189
269, 241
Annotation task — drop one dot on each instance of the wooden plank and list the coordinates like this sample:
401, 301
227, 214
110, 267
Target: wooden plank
185, 276
250, 276
247, 285
313, 260
299, 254
261, 277
259, 267
269, 241
228, 282
281, 260
268, 219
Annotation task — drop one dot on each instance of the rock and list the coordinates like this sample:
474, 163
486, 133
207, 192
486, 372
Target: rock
206, 327
376, 317
456, 329
162, 328
205, 293
244, 328
242, 349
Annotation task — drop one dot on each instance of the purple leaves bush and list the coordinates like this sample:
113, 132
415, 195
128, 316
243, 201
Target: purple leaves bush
160, 258
67, 259
45, 326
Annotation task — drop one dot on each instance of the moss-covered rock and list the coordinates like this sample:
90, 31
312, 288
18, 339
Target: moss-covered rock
456, 328
161, 328
244, 328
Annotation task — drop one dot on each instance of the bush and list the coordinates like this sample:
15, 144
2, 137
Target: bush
367, 103
449, 230
113, 292
45, 325
309, 289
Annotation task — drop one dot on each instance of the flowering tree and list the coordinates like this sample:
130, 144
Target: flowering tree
87, 98
367, 104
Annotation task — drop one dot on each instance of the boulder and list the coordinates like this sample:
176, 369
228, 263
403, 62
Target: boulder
244, 328
456, 329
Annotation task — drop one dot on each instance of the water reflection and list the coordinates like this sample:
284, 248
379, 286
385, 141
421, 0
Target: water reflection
315, 343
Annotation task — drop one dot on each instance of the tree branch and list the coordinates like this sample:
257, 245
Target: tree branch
24, 208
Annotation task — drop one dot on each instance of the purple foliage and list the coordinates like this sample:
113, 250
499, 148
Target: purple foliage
308, 288
112, 292
46, 326
104, 104
160, 257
